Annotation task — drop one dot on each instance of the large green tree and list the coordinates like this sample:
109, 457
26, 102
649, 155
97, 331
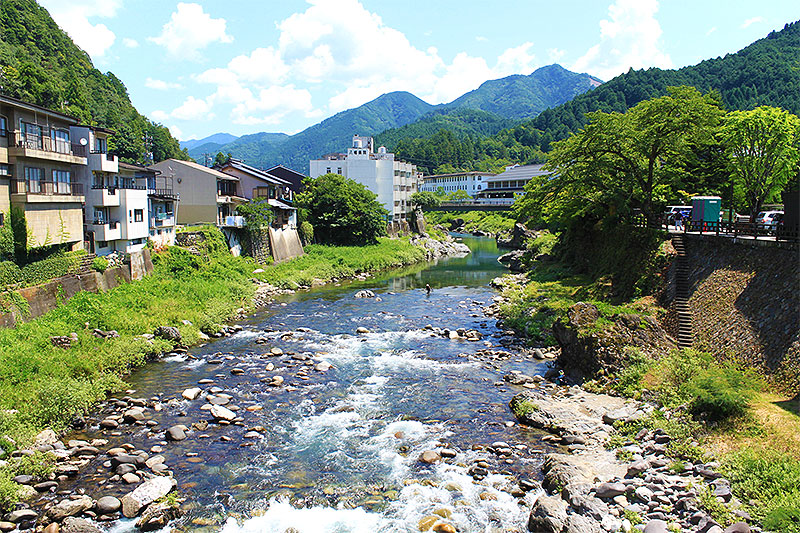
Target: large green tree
342, 211
763, 148
625, 161
426, 199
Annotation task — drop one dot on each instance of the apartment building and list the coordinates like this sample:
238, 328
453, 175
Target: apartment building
207, 196
162, 205
393, 181
473, 183
255, 183
39, 168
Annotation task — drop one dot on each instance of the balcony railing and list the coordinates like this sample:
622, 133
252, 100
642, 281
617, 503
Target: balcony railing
112, 189
122, 184
43, 142
112, 224
164, 193
19, 186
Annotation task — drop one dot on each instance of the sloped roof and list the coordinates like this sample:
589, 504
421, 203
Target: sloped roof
196, 166
280, 205
520, 172
256, 173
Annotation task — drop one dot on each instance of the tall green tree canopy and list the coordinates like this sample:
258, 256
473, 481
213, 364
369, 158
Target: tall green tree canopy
426, 199
342, 211
763, 148
625, 161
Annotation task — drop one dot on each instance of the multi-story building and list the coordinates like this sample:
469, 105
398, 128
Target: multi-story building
393, 181
39, 167
506, 186
473, 183
162, 205
255, 183
207, 196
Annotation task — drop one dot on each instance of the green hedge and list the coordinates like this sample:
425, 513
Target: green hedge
57, 265
10, 273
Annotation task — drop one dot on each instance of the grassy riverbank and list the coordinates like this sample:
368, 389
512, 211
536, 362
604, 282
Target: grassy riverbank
45, 386
491, 222
714, 408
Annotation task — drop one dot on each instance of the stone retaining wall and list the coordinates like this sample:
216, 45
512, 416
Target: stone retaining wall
745, 303
47, 296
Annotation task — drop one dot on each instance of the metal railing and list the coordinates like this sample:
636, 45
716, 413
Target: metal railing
112, 224
166, 193
21, 186
723, 227
43, 142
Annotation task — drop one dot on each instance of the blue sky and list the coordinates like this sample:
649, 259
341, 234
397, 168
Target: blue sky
244, 66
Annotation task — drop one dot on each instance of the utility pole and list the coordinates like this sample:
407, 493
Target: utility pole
206, 159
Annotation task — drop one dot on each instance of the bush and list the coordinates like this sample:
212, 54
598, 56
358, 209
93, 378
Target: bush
8, 490
10, 273
100, 264
38, 464
55, 266
306, 232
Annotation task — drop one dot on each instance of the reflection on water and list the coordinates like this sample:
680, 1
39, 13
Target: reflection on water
337, 450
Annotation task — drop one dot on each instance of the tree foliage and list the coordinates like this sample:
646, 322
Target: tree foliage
39, 63
625, 161
342, 211
257, 213
426, 199
763, 149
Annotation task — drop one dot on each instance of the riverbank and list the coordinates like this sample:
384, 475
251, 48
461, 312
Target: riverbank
708, 418
188, 299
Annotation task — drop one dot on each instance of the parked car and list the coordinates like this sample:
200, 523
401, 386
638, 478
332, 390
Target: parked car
767, 221
672, 210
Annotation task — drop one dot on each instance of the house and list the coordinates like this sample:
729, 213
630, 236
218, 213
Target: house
506, 186
472, 183
295, 179
162, 206
255, 183
207, 196
393, 181
39, 166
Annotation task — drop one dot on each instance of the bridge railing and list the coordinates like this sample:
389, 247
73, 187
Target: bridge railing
734, 229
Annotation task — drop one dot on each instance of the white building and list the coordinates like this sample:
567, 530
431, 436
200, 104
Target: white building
393, 181
471, 182
505, 187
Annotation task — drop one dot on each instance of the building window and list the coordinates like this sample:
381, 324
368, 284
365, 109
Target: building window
102, 244
2, 219
61, 179
138, 215
60, 141
4, 169
100, 146
328, 170
32, 135
34, 177
3, 126
339, 170
137, 241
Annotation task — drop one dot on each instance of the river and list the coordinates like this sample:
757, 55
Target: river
337, 450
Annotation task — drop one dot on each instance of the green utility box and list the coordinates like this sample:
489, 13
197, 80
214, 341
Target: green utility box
706, 208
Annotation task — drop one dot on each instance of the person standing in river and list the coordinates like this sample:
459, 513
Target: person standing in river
428, 289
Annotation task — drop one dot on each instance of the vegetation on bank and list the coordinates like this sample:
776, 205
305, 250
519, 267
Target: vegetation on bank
488, 221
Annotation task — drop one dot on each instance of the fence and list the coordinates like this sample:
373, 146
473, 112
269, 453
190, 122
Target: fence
734, 229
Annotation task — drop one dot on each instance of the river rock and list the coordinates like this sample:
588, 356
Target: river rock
364, 294
548, 515
52, 528
109, 423
192, 394
362, 329
157, 516
130, 478
430, 457
22, 515
66, 508
444, 527
108, 505
78, 525
610, 490
169, 333
577, 523
5, 527
738, 527
176, 433
324, 366
145, 494
222, 413
134, 415
656, 526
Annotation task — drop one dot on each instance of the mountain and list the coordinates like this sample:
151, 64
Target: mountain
493, 106
244, 146
39, 63
524, 97
217, 138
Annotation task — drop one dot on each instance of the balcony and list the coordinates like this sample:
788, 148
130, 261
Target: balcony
43, 147
162, 220
105, 230
32, 191
103, 162
166, 194
232, 222
103, 196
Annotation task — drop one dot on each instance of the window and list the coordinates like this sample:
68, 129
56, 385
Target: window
3, 126
339, 170
328, 170
138, 215
102, 244
34, 177
100, 145
4, 170
61, 179
60, 141
2, 219
32, 135
99, 215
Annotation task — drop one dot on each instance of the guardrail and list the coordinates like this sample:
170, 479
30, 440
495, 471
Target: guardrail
733, 229
23, 186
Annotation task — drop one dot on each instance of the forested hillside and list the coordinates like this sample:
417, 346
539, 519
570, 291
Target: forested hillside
766, 72
39, 63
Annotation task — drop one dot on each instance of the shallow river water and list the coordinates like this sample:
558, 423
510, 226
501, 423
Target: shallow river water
337, 450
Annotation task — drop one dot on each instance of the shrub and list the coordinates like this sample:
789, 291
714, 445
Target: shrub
38, 464
306, 232
8, 490
100, 264
9, 273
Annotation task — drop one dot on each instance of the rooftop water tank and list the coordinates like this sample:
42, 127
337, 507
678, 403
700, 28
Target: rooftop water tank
382, 150
357, 143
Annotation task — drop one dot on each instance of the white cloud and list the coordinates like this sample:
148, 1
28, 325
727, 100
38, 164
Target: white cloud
749, 22
73, 17
272, 105
555, 54
175, 131
711, 30
628, 39
481, 39
193, 109
130, 43
189, 30
517, 60
262, 65
161, 85
159, 115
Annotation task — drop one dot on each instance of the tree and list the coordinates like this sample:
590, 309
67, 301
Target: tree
19, 231
763, 148
459, 195
625, 161
220, 159
426, 199
342, 211
257, 213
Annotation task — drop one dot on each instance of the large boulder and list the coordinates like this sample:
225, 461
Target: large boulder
78, 525
560, 471
157, 516
514, 261
145, 494
591, 348
517, 239
66, 508
548, 515
169, 333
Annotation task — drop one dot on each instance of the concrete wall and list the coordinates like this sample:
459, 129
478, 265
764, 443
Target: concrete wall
284, 243
54, 223
47, 296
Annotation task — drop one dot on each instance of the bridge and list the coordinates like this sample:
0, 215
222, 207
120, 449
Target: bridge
470, 206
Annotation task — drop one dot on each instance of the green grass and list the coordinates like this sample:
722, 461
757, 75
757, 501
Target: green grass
491, 222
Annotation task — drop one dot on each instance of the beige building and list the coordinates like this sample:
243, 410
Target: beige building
39, 166
256, 183
207, 196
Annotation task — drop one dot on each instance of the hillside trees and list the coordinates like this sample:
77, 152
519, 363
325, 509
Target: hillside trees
763, 148
342, 211
624, 161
